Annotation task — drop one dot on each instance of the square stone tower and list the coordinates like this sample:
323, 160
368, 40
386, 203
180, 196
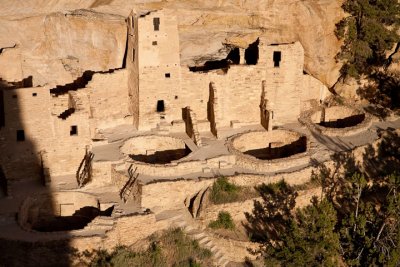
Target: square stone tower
155, 68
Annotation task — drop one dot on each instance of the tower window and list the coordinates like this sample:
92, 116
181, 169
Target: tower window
160, 106
154, 43
73, 130
14, 96
167, 75
34, 94
156, 24
20, 135
277, 58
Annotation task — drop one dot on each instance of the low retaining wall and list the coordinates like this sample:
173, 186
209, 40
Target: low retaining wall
182, 167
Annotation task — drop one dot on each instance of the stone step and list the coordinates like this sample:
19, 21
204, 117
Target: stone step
214, 249
218, 254
204, 241
198, 235
189, 228
222, 261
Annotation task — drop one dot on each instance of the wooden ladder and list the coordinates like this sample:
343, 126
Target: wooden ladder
84, 172
127, 189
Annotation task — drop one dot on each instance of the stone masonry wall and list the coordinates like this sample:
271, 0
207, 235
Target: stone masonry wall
109, 104
288, 90
183, 167
283, 83
132, 65
192, 131
213, 110
159, 67
47, 134
26, 109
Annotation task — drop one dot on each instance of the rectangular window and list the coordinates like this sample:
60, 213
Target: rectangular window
20, 135
277, 58
133, 55
34, 94
154, 43
156, 24
14, 96
167, 75
73, 130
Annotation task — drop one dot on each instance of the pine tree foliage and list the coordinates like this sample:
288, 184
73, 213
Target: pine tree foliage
306, 237
368, 32
355, 222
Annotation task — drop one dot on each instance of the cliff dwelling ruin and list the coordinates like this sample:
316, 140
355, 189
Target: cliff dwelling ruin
97, 153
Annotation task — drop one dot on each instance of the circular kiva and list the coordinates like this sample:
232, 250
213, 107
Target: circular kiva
270, 145
59, 211
340, 120
155, 149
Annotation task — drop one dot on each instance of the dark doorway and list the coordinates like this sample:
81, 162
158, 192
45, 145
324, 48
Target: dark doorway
251, 53
234, 56
20, 135
160, 106
277, 58
74, 130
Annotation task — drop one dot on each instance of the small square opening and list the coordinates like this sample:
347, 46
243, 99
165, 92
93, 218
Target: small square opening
14, 96
160, 106
154, 43
34, 94
73, 130
20, 135
167, 75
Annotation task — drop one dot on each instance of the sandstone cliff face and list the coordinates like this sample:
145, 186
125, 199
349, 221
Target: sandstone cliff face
280, 21
57, 48
50, 41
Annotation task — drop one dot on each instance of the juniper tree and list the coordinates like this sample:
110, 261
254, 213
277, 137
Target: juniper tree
368, 32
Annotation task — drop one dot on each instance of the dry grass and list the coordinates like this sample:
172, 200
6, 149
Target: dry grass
170, 248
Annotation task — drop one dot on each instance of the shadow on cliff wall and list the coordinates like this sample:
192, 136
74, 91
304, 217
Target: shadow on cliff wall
22, 176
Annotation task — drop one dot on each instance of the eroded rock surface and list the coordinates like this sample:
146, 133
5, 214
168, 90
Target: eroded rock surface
55, 43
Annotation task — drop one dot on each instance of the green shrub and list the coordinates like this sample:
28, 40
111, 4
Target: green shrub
223, 191
224, 221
